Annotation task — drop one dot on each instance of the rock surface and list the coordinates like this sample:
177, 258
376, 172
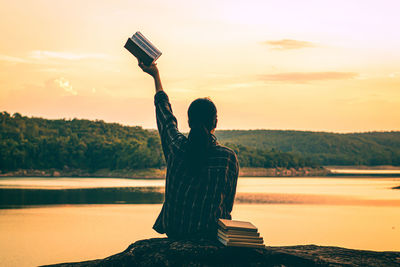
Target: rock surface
166, 252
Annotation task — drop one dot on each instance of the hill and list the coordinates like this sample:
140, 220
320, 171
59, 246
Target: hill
40, 144
37, 143
370, 148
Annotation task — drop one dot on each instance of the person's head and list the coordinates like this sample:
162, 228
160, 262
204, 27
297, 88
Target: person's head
202, 118
202, 113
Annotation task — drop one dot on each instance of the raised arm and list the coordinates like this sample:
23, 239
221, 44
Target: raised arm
171, 139
152, 70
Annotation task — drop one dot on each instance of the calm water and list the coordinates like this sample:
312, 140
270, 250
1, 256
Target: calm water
50, 220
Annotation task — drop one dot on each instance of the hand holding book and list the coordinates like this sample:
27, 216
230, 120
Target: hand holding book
152, 69
142, 49
146, 54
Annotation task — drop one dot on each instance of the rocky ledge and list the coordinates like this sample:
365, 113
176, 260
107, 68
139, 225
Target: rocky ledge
166, 252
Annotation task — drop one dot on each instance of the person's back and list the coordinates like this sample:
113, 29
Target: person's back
201, 174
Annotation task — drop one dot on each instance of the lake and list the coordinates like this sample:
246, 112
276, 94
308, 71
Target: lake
52, 220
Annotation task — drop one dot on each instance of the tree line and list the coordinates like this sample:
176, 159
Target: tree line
37, 143
324, 148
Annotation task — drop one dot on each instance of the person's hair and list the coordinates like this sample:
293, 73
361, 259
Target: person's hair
202, 115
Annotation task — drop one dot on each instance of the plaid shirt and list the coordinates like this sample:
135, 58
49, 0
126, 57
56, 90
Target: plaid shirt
193, 204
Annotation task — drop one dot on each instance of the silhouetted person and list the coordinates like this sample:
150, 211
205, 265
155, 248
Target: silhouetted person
201, 174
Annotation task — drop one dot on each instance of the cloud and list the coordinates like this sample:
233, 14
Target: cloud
288, 44
33, 56
13, 59
39, 54
394, 75
65, 85
304, 77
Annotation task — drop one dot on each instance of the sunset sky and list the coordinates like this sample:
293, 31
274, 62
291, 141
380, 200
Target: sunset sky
302, 65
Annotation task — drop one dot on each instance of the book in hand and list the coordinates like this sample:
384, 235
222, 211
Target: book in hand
142, 49
233, 233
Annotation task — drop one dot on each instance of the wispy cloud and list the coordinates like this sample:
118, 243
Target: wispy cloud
65, 85
13, 59
40, 54
304, 77
288, 44
34, 56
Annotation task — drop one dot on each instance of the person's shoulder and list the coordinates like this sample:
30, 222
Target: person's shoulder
230, 157
226, 150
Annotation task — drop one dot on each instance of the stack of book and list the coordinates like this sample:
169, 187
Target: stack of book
239, 234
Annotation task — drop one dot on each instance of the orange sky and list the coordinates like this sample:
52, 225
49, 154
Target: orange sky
304, 65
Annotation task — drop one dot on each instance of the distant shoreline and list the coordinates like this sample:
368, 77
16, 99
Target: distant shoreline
364, 171
363, 167
153, 173
160, 173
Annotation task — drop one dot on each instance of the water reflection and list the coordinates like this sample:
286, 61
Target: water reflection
260, 198
126, 195
20, 198
70, 183
22, 192
361, 213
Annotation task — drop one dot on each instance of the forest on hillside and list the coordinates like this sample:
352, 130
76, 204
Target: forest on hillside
324, 148
37, 143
